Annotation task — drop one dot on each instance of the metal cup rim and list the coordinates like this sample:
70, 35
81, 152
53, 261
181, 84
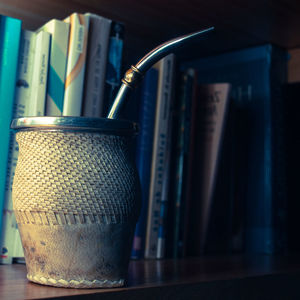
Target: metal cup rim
101, 125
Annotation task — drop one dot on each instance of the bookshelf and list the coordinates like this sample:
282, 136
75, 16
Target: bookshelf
148, 23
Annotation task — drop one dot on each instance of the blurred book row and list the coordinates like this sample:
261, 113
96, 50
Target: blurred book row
217, 156
216, 150
67, 67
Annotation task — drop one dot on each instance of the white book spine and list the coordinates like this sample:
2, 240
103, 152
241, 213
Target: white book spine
161, 239
79, 25
40, 73
18, 251
59, 31
97, 51
159, 154
21, 105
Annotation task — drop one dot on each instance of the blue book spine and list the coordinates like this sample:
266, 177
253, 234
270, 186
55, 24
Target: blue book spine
162, 228
10, 33
256, 75
144, 154
181, 151
114, 65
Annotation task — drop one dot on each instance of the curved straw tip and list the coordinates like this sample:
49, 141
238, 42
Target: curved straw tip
204, 30
188, 37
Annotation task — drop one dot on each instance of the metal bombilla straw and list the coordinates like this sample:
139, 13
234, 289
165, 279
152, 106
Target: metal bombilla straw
134, 75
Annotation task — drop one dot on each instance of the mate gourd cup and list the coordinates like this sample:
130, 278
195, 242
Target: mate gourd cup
76, 199
76, 190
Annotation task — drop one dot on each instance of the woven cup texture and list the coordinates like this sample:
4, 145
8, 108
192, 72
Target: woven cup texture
76, 198
71, 177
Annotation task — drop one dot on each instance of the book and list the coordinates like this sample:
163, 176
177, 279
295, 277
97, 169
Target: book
40, 74
114, 65
77, 49
256, 75
163, 213
224, 234
291, 93
180, 155
29, 101
18, 254
97, 52
59, 31
20, 109
159, 166
211, 115
144, 154
10, 35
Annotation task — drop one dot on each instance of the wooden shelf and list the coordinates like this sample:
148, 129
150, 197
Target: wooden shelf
234, 277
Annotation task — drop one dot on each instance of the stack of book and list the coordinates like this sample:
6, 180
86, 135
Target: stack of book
209, 153
170, 127
256, 189
210, 156
67, 67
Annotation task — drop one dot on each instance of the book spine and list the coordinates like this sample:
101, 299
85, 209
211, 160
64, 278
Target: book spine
113, 71
20, 109
97, 51
10, 35
279, 179
18, 254
252, 93
40, 75
34, 105
190, 169
290, 93
213, 105
159, 154
162, 227
59, 31
291, 107
144, 155
181, 153
266, 231
79, 26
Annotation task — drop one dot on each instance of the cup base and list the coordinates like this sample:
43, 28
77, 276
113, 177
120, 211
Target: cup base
78, 255
82, 284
